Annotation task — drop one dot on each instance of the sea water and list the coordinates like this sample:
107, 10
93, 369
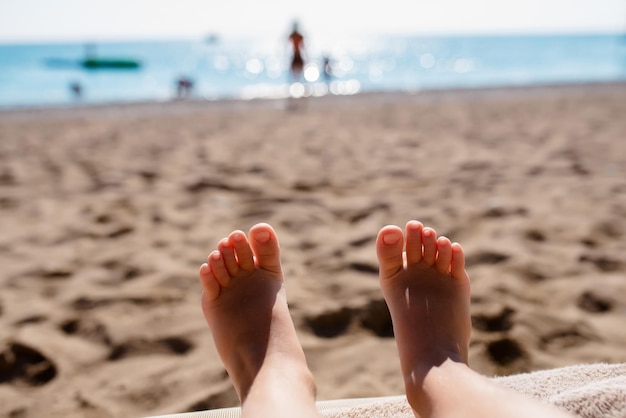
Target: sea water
41, 74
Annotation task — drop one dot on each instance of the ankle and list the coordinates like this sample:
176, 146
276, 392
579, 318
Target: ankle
295, 371
275, 381
423, 383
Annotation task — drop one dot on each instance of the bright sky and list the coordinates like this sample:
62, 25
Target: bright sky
80, 20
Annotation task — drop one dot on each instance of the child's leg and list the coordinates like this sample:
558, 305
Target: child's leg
245, 306
424, 282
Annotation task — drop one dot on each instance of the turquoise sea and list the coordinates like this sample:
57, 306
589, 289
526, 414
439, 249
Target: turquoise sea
41, 74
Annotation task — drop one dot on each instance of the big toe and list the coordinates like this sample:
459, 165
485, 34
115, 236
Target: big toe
389, 245
264, 243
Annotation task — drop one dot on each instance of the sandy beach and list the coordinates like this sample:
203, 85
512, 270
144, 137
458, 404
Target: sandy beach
107, 212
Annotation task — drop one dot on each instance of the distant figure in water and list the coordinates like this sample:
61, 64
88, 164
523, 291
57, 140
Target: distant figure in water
296, 41
184, 86
77, 89
327, 69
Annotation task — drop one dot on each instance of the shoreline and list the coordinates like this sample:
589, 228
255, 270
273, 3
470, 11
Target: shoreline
192, 105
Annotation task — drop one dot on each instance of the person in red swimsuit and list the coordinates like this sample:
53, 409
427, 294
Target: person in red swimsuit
296, 41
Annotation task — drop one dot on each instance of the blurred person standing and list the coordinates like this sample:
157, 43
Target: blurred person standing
296, 42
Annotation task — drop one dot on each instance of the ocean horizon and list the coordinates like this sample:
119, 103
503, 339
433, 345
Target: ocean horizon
56, 74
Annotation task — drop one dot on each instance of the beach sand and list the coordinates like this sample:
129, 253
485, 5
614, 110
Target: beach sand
107, 212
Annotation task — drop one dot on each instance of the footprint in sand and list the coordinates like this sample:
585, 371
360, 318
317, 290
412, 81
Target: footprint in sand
501, 212
24, 365
169, 345
57, 272
85, 303
363, 267
122, 271
361, 242
505, 351
567, 337
31, 319
494, 322
535, 235
330, 324
603, 263
353, 216
592, 301
374, 316
486, 257
86, 328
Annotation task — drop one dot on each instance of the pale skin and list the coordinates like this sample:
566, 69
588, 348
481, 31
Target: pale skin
244, 303
427, 289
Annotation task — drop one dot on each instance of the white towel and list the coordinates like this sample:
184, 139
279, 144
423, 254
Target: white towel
587, 391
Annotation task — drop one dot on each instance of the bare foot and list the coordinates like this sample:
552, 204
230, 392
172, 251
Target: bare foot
245, 306
424, 282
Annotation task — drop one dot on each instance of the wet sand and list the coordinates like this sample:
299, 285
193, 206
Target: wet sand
107, 212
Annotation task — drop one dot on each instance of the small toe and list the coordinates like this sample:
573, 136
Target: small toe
240, 243
413, 242
216, 264
389, 245
265, 247
210, 286
429, 241
228, 255
444, 255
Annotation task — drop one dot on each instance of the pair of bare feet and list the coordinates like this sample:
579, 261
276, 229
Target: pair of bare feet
426, 288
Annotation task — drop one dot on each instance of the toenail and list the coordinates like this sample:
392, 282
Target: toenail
391, 239
262, 236
216, 255
237, 237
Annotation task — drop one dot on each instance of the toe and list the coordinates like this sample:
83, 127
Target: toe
265, 247
413, 242
429, 241
216, 264
210, 286
457, 266
389, 246
444, 255
243, 251
228, 255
